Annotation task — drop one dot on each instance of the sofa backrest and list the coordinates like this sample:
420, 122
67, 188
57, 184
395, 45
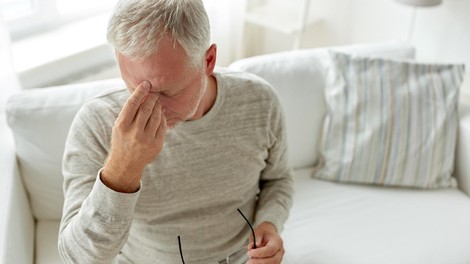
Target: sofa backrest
40, 120
299, 78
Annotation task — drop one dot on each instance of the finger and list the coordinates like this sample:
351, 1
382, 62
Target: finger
277, 258
269, 250
154, 120
145, 111
133, 103
259, 237
161, 131
251, 244
264, 252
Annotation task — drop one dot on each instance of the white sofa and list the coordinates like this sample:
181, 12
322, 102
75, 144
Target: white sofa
330, 223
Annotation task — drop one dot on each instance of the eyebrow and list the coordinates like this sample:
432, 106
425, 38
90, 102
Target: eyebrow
169, 91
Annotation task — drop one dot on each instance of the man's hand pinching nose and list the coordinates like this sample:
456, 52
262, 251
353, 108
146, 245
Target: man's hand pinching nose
144, 87
137, 139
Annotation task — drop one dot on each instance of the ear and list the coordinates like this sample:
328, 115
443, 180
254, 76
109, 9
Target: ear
210, 59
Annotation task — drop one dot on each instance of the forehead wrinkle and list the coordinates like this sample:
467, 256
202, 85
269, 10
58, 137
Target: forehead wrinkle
166, 70
127, 74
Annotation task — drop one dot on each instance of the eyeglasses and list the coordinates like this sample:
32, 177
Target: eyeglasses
247, 221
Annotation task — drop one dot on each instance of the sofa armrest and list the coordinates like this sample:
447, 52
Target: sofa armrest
17, 226
462, 162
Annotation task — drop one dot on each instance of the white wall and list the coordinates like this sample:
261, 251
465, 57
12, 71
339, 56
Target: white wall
339, 22
441, 34
444, 34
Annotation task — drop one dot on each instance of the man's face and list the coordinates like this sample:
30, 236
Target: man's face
179, 85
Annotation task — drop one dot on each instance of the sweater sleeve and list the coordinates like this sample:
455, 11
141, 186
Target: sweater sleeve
276, 184
96, 220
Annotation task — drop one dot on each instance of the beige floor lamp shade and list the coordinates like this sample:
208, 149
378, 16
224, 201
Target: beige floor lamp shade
420, 3
415, 4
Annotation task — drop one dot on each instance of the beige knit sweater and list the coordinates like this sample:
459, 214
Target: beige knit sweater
235, 156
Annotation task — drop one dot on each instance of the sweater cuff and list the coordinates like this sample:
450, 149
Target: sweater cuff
272, 218
112, 205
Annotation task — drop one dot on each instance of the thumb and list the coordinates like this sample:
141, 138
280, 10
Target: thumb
259, 236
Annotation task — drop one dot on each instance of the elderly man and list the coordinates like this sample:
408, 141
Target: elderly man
172, 157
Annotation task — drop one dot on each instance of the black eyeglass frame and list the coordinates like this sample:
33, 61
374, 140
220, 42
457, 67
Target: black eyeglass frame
247, 221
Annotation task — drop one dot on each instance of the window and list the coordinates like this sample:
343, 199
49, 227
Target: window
28, 17
14, 9
67, 7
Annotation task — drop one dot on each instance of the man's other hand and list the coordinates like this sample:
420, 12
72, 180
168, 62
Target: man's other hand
137, 139
269, 245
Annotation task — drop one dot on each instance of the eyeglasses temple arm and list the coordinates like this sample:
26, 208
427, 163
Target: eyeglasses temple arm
181, 251
251, 227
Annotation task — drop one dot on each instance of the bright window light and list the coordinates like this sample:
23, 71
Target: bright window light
14, 9
29, 17
72, 7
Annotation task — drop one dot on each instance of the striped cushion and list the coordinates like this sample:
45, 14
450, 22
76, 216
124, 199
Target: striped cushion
390, 122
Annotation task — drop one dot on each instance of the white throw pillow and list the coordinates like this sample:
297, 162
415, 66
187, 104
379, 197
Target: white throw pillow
299, 79
40, 120
390, 122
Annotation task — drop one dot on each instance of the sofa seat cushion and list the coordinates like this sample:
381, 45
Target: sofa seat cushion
47, 232
345, 223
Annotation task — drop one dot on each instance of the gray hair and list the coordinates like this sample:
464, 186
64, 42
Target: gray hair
136, 27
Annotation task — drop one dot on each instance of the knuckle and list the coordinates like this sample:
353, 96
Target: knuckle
156, 117
273, 251
141, 139
119, 125
133, 101
157, 113
146, 109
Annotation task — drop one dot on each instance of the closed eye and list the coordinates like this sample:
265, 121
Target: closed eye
174, 94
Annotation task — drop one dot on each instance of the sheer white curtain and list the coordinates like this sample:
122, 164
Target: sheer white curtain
227, 20
8, 80
8, 85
